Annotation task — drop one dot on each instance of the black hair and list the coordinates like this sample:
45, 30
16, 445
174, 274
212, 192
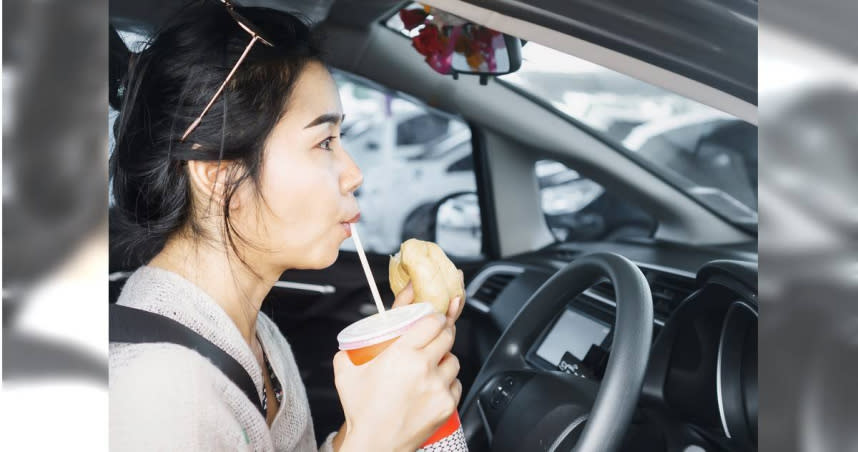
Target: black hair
168, 85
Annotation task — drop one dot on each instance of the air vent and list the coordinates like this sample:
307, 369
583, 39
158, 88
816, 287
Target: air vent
490, 283
668, 290
492, 287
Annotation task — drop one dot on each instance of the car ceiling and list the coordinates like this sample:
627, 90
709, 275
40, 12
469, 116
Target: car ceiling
144, 17
712, 42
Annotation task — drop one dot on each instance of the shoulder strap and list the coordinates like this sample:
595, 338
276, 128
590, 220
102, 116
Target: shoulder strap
137, 326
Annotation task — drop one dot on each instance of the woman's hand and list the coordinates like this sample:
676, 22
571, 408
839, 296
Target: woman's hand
397, 400
406, 297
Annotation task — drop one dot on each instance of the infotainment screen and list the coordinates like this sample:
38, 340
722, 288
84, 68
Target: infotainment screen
574, 333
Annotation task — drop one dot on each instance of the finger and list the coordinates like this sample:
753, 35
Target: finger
456, 390
423, 332
453, 310
405, 297
449, 368
460, 308
464, 295
440, 345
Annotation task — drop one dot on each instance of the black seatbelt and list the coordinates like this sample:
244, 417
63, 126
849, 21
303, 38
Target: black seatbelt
137, 326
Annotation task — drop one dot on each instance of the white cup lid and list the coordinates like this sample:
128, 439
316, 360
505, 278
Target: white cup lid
382, 326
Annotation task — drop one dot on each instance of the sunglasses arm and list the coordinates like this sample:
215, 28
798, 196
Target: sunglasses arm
220, 89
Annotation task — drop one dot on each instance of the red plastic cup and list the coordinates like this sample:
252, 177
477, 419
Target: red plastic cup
367, 338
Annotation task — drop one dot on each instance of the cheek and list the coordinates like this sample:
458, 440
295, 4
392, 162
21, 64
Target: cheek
303, 196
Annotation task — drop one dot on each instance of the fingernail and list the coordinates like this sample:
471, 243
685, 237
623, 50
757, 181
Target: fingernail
456, 301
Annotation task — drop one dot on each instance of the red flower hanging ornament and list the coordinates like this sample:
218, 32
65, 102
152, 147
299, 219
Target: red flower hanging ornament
428, 41
412, 18
444, 34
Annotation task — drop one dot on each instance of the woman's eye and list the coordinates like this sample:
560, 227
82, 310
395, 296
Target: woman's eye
328, 143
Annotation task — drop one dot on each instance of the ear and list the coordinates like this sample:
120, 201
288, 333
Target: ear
209, 179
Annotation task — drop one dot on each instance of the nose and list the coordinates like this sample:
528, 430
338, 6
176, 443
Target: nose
351, 178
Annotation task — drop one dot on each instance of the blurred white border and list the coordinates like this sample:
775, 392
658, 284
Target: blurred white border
2, 124
787, 63
68, 307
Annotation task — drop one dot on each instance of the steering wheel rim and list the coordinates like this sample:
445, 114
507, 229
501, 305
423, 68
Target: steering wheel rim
611, 412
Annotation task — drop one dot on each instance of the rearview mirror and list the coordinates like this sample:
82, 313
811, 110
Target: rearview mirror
506, 58
453, 45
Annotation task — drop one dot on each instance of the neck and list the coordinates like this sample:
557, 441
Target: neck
222, 276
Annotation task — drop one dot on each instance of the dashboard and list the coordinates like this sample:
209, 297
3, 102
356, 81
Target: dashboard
701, 384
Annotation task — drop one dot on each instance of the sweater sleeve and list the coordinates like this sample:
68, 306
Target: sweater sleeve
328, 445
163, 399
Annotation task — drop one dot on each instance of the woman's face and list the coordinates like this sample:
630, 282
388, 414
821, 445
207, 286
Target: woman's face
307, 183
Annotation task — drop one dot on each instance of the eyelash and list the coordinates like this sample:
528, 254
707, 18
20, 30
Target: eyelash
330, 138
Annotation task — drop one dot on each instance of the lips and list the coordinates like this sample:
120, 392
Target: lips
347, 225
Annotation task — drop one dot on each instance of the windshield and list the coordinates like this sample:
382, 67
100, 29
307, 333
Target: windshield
707, 153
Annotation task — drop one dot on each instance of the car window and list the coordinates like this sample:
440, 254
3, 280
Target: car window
135, 42
579, 209
412, 158
707, 153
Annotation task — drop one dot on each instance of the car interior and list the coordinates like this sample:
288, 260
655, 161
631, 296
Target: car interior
611, 300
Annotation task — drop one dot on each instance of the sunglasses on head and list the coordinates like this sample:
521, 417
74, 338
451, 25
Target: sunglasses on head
255, 36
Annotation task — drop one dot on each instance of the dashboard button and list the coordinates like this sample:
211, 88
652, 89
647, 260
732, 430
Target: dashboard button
508, 383
498, 399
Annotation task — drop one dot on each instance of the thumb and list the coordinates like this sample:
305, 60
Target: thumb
342, 363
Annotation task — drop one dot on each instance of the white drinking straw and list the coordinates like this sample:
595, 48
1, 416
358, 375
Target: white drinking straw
366, 270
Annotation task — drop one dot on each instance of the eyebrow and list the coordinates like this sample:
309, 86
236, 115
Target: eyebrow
333, 118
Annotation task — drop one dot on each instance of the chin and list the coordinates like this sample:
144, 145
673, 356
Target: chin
322, 259
330, 261
322, 255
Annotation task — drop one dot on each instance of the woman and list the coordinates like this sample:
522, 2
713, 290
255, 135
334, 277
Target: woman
227, 200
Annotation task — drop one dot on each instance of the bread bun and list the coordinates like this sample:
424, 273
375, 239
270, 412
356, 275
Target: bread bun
434, 278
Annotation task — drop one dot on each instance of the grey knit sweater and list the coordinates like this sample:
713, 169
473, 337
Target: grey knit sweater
165, 397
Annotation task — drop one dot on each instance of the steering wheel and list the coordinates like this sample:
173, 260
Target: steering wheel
514, 407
